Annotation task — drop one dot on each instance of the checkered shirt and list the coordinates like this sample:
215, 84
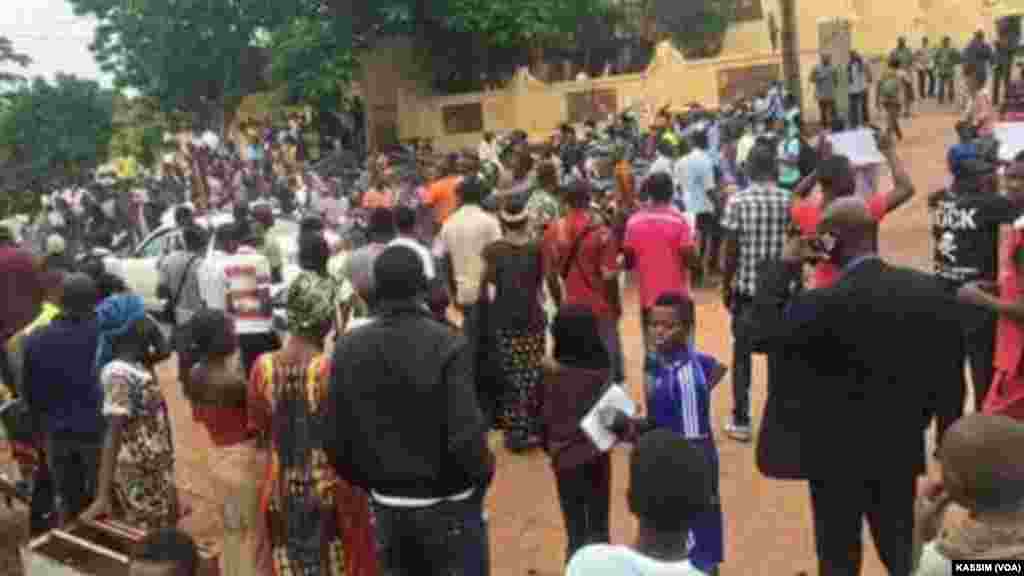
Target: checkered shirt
759, 216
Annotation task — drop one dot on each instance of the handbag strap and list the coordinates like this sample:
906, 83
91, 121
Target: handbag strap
181, 284
575, 250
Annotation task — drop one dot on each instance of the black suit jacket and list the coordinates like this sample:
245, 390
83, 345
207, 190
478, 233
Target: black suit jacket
860, 368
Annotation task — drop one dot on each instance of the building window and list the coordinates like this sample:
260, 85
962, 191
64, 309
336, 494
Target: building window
748, 11
593, 105
463, 118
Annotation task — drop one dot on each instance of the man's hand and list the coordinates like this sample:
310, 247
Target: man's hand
796, 250
975, 294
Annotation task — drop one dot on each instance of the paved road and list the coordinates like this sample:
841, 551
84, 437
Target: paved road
768, 523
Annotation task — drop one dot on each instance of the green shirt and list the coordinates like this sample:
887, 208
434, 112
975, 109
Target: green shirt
946, 60
904, 56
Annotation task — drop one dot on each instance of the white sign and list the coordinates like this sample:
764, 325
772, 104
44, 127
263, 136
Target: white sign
859, 146
1010, 136
614, 397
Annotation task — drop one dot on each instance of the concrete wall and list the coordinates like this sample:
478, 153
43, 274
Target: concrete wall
398, 103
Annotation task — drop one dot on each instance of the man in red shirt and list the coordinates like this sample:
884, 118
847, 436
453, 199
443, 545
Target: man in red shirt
836, 179
580, 255
659, 245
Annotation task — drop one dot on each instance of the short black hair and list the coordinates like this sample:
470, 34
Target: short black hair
671, 482
700, 139
666, 148
659, 187
398, 274
183, 216
761, 164
313, 253
405, 219
194, 238
471, 190
311, 224
382, 222
685, 309
170, 546
837, 173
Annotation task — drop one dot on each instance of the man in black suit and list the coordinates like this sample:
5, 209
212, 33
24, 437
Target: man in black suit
878, 360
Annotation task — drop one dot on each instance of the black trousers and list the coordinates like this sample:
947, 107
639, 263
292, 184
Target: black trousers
585, 495
840, 504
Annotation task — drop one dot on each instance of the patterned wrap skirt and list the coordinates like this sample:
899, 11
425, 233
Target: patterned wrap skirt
521, 353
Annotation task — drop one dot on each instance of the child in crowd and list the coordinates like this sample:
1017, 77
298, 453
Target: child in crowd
679, 384
672, 487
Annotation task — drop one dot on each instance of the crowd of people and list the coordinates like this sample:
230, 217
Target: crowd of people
486, 295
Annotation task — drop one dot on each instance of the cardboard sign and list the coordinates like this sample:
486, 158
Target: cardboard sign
857, 145
1010, 136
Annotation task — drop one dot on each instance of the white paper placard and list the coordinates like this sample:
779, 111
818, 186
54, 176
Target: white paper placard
614, 397
1010, 136
859, 146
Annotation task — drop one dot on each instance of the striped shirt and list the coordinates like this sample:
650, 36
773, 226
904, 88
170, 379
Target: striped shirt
671, 378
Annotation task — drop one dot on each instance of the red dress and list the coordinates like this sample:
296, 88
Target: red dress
1006, 395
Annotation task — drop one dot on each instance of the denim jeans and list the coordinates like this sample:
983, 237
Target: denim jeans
74, 465
446, 539
742, 360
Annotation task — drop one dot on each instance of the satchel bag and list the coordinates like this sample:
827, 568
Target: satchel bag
167, 315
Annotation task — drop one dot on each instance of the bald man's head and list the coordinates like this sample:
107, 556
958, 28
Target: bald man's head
980, 464
849, 222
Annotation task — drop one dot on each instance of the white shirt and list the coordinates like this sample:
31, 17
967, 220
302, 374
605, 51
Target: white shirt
743, 148
425, 255
661, 164
609, 560
695, 175
463, 237
239, 284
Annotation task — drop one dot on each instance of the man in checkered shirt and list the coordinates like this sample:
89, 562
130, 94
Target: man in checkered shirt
755, 221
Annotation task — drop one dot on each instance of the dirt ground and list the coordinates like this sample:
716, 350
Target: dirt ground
768, 523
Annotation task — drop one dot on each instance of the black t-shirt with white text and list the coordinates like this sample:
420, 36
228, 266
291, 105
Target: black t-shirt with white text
965, 231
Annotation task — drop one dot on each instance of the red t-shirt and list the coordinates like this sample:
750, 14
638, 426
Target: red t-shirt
806, 214
657, 236
584, 286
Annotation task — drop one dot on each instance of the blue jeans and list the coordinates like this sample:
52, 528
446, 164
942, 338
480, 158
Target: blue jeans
446, 539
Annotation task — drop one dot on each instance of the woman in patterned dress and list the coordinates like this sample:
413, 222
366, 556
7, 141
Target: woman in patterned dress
317, 524
511, 291
136, 476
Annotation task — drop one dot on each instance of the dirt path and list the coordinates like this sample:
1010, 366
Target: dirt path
768, 523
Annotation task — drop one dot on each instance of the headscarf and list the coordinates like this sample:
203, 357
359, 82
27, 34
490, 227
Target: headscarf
116, 316
312, 302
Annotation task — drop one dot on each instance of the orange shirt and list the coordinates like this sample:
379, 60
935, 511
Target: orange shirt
441, 197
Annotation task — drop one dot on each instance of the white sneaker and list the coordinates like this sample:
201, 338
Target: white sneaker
736, 431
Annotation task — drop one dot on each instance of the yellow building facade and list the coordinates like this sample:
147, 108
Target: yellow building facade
399, 107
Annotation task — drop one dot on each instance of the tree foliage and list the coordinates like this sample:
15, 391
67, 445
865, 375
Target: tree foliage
312, 57
194, 56
9, 56
52, 134
697, 28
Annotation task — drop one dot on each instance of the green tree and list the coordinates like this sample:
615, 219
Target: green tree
197, 57
697, 28
51, 134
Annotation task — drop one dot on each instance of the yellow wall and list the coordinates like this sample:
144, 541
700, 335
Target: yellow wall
395, 98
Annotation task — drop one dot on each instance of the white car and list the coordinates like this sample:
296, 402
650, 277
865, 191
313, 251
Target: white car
139, 269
